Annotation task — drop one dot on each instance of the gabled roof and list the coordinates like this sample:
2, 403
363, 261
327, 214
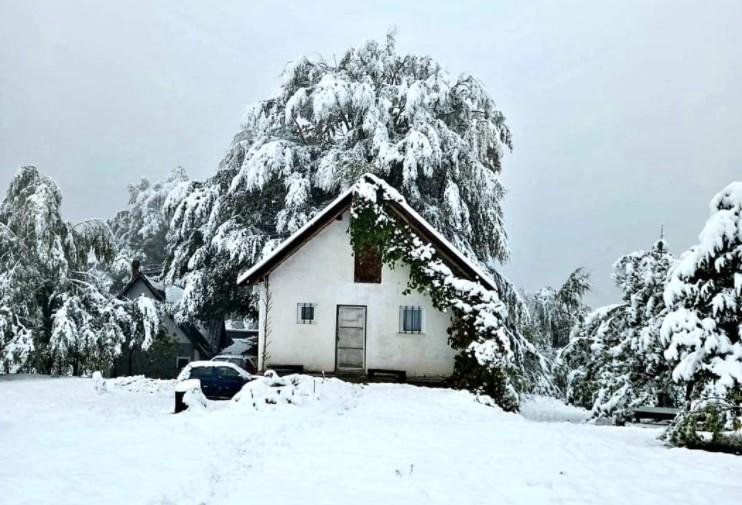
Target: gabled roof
159, 294
451, 255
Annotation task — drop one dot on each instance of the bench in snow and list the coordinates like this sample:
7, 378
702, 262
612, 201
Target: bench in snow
655, 413
400, 375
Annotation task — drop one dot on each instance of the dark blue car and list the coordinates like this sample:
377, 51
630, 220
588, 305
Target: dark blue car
219, 380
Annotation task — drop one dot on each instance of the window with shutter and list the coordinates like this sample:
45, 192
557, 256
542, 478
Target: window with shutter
367, 266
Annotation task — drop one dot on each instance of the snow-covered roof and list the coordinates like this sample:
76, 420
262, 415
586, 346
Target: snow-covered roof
157, 294
338, 206
429, 228
240, 346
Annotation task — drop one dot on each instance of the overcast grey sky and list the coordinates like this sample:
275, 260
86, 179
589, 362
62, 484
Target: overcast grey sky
625, 115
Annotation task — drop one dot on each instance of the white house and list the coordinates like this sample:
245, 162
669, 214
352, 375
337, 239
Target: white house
326, 310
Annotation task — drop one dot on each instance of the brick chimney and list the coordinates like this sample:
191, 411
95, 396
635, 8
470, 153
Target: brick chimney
135, 269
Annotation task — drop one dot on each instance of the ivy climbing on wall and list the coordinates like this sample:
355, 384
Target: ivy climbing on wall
492, 355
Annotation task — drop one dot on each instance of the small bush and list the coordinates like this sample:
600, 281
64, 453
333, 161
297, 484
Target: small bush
712, 425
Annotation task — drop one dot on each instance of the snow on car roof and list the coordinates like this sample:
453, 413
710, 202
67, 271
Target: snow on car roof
186, 372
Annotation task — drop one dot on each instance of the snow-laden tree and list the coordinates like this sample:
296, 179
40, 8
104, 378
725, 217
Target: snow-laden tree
636, 371
703, 331
89, 330
554, 312
436, 138
16, 342
580, 362
140, 230
55, 314
615, 358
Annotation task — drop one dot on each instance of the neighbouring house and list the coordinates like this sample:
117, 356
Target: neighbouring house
324, 309
242, 341
187, 342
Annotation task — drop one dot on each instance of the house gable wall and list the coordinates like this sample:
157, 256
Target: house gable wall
321, 272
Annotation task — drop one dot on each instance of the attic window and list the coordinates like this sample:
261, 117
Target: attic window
305, 313
367, 266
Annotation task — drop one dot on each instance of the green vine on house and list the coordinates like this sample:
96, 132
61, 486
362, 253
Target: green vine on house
492, 355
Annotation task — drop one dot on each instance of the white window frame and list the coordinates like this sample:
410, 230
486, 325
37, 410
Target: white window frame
300, 319
402, 309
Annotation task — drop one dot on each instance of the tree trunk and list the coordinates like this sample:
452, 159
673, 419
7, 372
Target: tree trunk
689, 393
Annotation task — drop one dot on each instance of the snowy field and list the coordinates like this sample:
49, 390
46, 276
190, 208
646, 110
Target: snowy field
62, 442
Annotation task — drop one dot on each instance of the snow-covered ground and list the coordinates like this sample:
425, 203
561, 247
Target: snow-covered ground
64, 442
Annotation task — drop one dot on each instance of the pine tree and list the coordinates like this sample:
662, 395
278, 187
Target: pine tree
615, 359
580, 363
703, 331
636, 371
438, 139
55, 314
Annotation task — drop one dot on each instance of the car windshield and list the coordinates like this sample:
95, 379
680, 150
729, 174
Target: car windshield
200, 372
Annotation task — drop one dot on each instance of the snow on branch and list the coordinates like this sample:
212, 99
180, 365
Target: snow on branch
703, 330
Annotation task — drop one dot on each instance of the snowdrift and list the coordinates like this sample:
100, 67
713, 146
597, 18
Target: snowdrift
271, 391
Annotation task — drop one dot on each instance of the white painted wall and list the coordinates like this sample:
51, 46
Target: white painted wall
321, 272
